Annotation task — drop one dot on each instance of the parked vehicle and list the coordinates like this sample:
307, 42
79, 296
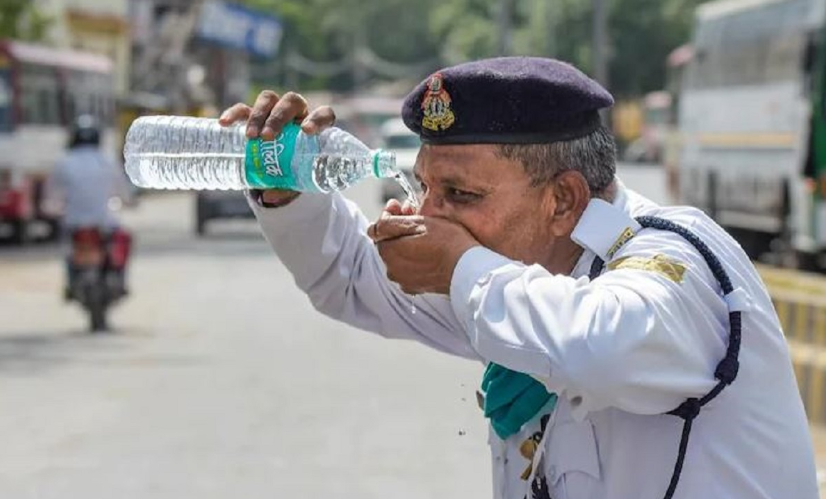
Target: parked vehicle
212, 205
656, 109
363, 116
41, 90
752, 124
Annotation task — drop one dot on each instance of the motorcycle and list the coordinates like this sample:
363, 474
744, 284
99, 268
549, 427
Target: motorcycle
97, 266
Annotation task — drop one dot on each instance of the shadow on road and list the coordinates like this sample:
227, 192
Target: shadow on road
37, 352
31, 252
229, 239
30, 352
237, 241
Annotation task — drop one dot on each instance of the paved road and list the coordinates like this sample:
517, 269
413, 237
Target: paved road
223, 382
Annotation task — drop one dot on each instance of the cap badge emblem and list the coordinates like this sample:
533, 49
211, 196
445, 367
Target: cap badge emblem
436, 105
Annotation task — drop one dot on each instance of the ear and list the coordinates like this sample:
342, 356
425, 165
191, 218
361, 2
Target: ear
571, 197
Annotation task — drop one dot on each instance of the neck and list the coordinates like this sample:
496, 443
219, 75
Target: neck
566, 254
610, 192
565, 258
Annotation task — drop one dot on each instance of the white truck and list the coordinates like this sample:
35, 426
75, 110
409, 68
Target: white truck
752, 124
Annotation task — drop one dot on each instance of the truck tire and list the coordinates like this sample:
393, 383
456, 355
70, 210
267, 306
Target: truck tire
20, 232
200, 225
54, 230
808, 262
201, 215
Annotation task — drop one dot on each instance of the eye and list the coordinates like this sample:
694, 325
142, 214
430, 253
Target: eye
460, 196
422, 187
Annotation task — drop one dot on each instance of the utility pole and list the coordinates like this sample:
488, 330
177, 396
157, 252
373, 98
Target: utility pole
600, 35
505, 28
542, 26
359, 45
600, 45
359, 26
551, 22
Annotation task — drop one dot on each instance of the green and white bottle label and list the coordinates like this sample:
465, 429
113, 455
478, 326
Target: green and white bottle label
268, 162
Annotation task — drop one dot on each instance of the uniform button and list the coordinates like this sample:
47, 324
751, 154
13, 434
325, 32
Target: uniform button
551, 474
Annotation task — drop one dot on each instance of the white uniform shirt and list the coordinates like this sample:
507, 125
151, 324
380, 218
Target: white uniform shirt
84, 182
621, 350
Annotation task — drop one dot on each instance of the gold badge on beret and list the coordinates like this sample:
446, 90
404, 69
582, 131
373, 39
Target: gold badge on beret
436, 105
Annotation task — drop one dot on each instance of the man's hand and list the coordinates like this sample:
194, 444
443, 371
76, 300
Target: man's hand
268, 116
420, 253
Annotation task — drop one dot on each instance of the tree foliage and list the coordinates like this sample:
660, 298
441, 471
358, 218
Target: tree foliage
641, 34
21, 20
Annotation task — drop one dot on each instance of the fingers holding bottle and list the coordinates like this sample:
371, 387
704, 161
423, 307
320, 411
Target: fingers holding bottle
234, 114
271, 112
271, 118
318, 120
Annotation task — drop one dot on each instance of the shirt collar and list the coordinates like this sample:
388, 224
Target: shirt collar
605, 227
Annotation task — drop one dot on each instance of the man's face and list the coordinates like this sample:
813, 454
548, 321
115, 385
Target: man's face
493, 199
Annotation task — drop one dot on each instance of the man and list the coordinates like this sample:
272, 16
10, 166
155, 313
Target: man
594, 317
85, 181
83, 184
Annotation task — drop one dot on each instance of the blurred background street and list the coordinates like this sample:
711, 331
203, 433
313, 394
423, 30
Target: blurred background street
217, 378
220, 380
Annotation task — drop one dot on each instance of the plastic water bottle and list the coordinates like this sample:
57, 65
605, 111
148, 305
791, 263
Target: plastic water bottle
176, 152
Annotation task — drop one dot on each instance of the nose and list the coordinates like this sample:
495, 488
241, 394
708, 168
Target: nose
431, 205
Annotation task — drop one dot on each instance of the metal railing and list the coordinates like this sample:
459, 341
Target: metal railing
800, 302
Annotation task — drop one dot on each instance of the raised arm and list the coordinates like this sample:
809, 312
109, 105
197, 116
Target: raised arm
322, 241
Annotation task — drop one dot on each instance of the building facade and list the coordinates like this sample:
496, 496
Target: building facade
196, 54
97, 26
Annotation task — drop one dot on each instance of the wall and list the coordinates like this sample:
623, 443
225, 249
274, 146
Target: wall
99, 26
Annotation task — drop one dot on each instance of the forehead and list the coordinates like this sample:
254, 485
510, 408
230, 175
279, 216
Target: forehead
472, 161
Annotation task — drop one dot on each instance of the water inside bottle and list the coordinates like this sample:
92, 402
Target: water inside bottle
333, 172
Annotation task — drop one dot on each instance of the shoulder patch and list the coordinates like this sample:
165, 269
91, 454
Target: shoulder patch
661, 264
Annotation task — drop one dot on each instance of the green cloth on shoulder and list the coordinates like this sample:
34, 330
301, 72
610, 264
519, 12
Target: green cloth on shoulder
513, 399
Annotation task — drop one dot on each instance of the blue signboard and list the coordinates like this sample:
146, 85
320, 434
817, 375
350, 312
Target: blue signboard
236, 27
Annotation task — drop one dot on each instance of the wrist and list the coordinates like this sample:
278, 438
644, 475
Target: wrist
273, 198
455, 256
474, 265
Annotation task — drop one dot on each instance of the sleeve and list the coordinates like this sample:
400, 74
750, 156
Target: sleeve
121, 187
632, 339
322, 241
54, 191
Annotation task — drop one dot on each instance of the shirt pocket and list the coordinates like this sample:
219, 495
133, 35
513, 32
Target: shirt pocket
571, 461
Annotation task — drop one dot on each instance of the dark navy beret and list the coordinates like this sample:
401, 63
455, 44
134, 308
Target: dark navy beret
506, 100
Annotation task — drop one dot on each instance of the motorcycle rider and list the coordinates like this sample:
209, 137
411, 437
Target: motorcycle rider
85, 184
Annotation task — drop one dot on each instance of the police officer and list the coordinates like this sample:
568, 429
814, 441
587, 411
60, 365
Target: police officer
631, 350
